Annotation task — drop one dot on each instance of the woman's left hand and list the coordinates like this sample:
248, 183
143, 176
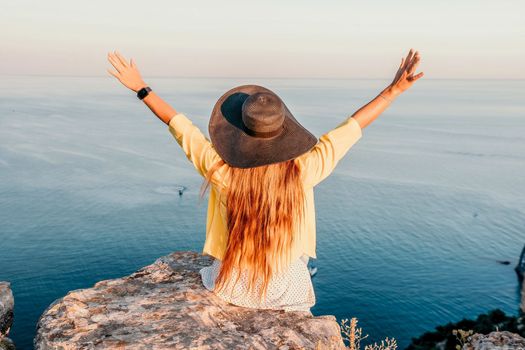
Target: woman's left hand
127, 73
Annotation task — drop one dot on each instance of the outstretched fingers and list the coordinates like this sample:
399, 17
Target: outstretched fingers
405, 75
121, 59
416, 77
115, 62
113, 74
408, 59
402, 62
413, 65
400, 69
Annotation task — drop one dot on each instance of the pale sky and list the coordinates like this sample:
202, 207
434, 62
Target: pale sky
343, 39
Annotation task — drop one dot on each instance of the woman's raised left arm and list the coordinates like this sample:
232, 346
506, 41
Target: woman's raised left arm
196, 146
128, 74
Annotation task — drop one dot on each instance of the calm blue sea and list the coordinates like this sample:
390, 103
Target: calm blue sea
410, 225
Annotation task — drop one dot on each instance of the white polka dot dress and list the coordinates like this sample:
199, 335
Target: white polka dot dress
289, 291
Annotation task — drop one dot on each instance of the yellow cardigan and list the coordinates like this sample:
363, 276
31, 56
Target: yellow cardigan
315, 165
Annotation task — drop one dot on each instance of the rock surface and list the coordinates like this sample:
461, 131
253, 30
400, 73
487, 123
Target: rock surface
496, 340
165, 306
7, 304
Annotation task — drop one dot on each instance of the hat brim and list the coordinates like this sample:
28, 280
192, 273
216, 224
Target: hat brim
239, 149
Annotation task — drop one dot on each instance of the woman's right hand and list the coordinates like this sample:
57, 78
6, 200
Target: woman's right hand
405, 74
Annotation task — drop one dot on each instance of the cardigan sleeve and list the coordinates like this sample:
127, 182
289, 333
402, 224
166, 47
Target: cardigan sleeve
198, 149
320, 161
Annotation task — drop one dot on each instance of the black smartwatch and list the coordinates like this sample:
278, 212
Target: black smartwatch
143, 92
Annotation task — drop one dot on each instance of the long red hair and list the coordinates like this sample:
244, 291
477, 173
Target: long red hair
263, 205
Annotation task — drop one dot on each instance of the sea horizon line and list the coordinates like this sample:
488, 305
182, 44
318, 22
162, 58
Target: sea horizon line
244, 77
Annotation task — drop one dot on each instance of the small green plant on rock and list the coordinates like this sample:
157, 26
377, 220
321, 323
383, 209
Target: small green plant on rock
353, 335
462, 337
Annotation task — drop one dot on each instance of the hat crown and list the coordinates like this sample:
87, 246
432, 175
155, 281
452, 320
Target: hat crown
263, 112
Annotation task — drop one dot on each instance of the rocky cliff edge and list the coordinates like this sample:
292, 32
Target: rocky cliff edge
165, 306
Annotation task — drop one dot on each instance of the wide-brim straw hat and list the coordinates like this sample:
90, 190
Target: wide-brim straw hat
251, 126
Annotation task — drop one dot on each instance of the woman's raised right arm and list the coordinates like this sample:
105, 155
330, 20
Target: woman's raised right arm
321, 160
402, 81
